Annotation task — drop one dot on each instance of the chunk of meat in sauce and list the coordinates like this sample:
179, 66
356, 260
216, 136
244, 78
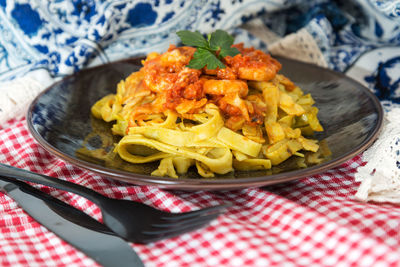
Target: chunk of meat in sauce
162, 72
224, 87
232, 91
252, 64
187, 86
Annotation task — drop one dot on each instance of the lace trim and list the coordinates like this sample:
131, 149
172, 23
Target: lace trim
380, 177
16, 95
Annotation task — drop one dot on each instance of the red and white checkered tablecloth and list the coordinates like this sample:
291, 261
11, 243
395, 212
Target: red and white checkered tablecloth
313, 221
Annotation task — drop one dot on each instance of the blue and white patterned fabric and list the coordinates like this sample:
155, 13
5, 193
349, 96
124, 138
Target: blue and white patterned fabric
63, 37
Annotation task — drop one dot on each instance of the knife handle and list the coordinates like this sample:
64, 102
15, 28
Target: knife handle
28, 176
61, 208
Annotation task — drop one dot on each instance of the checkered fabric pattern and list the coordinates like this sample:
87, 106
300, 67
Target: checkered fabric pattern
313, 221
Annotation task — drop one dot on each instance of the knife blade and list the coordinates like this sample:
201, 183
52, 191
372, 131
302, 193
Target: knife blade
99, 244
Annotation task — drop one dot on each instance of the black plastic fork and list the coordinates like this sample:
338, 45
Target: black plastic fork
133, 221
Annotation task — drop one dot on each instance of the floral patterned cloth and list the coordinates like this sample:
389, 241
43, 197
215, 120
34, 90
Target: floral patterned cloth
63, 37
66, 36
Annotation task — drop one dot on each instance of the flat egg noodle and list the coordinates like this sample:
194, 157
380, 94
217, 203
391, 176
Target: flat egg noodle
220, 162
252, 164
202, 135
238, 142
104, 105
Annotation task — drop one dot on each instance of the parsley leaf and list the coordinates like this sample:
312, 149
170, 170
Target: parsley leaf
231, 51
192, 38
209, 52
220, 39
203, 57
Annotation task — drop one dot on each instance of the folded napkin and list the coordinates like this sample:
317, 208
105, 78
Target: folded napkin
44, 41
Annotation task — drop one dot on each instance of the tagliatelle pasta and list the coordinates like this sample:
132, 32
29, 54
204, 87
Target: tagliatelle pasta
244, 117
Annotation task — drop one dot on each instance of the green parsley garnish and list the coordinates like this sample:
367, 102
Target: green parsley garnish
209, 52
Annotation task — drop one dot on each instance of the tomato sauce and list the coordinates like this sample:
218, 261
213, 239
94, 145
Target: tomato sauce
167, 76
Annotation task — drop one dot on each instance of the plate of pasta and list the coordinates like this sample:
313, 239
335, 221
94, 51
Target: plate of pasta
171, 120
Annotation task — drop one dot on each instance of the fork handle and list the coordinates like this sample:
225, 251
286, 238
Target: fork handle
28, 176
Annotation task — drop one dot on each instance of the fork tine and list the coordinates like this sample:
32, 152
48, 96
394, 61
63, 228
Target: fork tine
187, 220
179, 227
172, 232
195, 213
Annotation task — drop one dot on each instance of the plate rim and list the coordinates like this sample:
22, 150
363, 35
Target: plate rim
205, 183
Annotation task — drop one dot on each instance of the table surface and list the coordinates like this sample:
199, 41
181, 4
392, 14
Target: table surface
312, 221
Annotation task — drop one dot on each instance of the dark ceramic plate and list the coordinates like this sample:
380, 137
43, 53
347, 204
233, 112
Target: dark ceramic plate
60, 120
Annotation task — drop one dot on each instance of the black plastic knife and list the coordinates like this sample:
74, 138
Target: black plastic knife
72, 225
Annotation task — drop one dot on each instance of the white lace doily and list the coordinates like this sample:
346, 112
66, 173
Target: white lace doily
380, 177
16, 95
299, 45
